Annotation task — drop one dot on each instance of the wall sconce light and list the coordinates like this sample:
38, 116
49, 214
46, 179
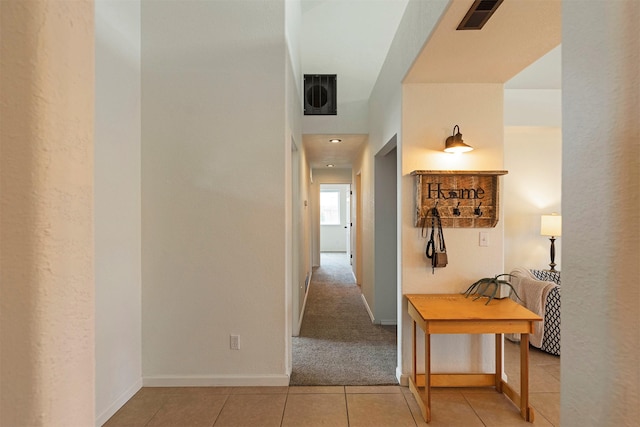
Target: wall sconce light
455, 144
551, 225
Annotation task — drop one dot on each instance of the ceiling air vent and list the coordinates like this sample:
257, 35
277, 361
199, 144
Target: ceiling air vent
320, 94
479, 14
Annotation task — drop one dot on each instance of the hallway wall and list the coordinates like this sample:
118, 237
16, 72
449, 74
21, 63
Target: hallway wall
386, 235
385, 121
117, 205
215, 206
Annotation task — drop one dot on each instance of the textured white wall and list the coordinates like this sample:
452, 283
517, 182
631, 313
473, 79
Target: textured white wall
214, 150
601, 213
47, 373
117, 205
533, 157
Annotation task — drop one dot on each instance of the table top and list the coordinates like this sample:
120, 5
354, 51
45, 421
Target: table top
433, 307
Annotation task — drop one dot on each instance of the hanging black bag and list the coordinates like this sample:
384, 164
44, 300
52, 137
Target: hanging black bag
438, 258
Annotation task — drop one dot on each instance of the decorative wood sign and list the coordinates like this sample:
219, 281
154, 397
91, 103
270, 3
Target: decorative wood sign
464, 199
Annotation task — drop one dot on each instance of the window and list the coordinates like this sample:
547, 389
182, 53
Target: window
329, 208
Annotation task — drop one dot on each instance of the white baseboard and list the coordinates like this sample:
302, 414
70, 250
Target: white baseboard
216, 381
364, 300
387, 322
403, 379
296, 332
118, 403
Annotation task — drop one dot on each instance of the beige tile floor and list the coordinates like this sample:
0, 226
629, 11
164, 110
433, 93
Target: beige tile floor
351, 406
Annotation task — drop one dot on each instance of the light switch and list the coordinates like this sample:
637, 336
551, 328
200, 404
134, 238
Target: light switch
484, 239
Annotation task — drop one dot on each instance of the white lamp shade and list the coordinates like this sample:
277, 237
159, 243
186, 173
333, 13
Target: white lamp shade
551, 225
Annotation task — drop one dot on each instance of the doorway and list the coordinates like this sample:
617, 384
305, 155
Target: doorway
386, 234
335, 214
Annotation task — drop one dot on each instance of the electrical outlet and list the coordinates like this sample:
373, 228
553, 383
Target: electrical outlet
483, 239
235, 342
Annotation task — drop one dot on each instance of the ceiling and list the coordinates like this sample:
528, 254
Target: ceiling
321, 152
351, 38
516, 35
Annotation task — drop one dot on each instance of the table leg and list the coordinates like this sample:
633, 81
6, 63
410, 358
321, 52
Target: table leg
427, 375
525, 411
498, 380
422, 398
414, 369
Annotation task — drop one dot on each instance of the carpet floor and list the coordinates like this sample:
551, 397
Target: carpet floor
338, 344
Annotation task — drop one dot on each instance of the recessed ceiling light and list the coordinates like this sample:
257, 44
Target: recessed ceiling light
330, 165
335, 141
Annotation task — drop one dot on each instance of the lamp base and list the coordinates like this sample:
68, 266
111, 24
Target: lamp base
552, 253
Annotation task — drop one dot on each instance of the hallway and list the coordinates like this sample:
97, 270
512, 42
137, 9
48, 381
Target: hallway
338, 344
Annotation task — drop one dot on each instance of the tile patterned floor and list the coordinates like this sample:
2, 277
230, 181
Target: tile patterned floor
349, 406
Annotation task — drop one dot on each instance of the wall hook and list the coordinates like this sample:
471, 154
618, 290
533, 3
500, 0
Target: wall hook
456, 210
477, 210
434, 210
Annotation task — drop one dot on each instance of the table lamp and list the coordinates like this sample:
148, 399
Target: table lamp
551, 225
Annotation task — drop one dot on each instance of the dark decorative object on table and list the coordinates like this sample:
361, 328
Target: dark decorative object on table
489, 287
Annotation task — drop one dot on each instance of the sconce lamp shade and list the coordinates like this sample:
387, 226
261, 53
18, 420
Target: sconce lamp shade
455, 144
551, 225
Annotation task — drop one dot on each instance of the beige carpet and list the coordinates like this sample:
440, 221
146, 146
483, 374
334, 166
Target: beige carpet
338, 344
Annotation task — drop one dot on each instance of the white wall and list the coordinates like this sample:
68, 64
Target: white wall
385, 121
533, 157
215, 144
533, 107
533, 97
430, 112
601, 213
386, 235
117, 205
302, 245
325, 25
298, 251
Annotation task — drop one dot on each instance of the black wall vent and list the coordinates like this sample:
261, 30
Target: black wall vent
479, 14
320, 94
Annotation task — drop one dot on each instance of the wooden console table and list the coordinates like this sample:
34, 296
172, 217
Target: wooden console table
455, 314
